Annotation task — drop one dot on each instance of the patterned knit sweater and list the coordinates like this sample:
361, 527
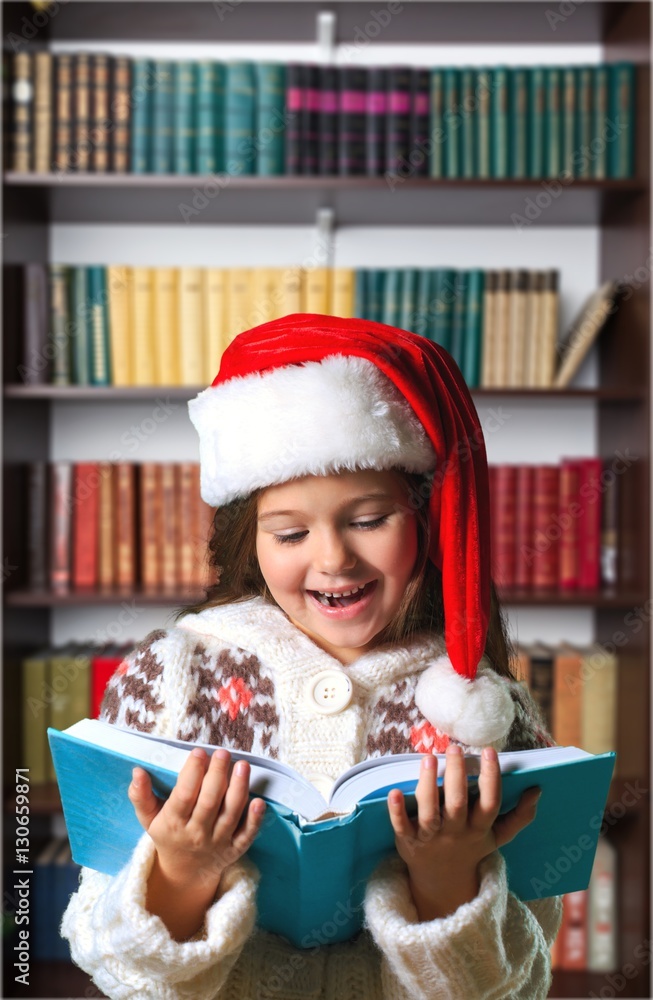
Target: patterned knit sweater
237, 676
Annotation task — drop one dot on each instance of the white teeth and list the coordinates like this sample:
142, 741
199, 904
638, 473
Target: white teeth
344, 593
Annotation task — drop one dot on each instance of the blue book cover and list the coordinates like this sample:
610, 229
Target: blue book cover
312, 868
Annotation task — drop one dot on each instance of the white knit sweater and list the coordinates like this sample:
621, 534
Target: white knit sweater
236, 676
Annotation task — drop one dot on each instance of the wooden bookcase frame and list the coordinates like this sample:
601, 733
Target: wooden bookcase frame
620, 208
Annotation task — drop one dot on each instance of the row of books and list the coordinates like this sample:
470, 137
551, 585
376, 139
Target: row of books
130, 326
588, 936
555, 526
55, 878
98, 112
116, 526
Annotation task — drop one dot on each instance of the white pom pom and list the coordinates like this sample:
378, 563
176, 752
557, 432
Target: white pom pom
475, 712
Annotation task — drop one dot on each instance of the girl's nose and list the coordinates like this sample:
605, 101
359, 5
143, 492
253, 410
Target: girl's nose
332, 555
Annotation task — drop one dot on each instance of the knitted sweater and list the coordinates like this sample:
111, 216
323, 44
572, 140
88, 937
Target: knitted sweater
236, 676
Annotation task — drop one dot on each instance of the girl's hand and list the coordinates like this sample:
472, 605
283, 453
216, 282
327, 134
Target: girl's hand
198, 830
442, 847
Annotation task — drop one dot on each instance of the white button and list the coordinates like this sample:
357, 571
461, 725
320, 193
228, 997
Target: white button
323, 783
329, 692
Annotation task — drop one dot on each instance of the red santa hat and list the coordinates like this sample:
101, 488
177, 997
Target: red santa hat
313, 394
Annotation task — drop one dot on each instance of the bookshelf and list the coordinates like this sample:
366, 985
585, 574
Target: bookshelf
45, 215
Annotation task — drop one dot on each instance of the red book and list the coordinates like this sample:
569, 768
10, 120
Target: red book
524, 539
150, 525
170, 526
504, 484
573, 931
104, 663
86, 524
570, 514
61, 479
546, 529
589, 542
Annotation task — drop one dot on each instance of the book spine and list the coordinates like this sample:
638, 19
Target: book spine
484, 85
398, 122
98, 327
518, 111
310, 115
60, 549
602, 936
573, 954
294, 101
548, 328
518, 305
473, 328
141, 302
488, 373
524, 552
589, 541
352, 124
553, 122
43, 102
22, 95
421, 319
80, 159
500, 123
162, 118
184, 83
567, 698
452, 121
240, 118
458, 319
444, 291
609, 552
125, 524
85, 525
37, 525
546, 489
504, 516
502, 327
584, 87
376, 293
600, 122
316, 292
79, 317
467, 111
569, 114
436, 165
106, 526
170, 522
392, 297
59, 318
540, 682
419, 122
99, 131
621, 134
408, 297
121, 114
533, 375
191, 333
63, 130
36, 368
376, 111
270, 118
206, 135
149, 485
118, 281
188, 521
536, 106
328, 127
165, 320
343, 292
144, 85
569, 572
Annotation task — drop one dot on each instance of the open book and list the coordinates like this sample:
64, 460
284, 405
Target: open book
315, 855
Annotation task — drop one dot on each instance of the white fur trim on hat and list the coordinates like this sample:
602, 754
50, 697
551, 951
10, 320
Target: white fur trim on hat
476, 712
315, 418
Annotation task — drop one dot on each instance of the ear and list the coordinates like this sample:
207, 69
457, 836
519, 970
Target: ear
476, 712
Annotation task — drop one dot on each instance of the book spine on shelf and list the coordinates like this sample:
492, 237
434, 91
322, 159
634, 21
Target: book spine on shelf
398, 122
553, 122
106, 557
488, 372
501, 327
468, 109
343, 292
436, 166
162, 118
392, 296
589, 523
37, 525
533, 336
145, 80
567, 697
37, 365
419, 123
421, 319
125, 524
451, 81
500, 125
79, 321
573, 931
458, 319
609, 549
100, 128
170, 525
59, 318
121, 113
316, 291
35, 676
141, 325
546, 493
270, 118
240, 118
80, 157
599, 702
214, 290
568, 112
549, 328
504, 500
602, 939
209, 117
120, 337
536, 104
150, 527
376, 112
85, 525
60, 541
188, 513
444, 292
98, 327
517, 319
584, 87
328, 127
570, 509
352, 122
524, 500
22, 122
311, 104
600, 144
540, 681
184, 124
408, 297
518, 112
191, 333
294, 102
621, 156
471, 361
43, 105
484, 85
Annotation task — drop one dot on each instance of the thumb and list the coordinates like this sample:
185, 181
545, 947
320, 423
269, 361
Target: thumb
507, 826
146, 804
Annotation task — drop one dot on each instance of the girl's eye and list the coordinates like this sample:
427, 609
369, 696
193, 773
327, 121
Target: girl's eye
297, 536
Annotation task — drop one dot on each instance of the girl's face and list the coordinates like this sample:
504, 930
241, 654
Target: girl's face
334, 534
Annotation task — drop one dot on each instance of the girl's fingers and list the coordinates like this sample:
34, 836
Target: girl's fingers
183, 796
486, 808
401, 824
245, 837
427, 794
146, 804
511, 823
213, 789
455, 788
235, 800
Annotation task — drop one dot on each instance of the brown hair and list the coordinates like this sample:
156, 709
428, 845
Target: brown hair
232, 554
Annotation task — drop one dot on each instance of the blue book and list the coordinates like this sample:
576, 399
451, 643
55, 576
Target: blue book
313, 867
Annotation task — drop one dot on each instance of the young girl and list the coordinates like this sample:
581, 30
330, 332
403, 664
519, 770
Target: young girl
353, 617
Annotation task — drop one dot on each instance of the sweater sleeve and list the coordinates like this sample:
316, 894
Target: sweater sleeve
125, 949
495, 947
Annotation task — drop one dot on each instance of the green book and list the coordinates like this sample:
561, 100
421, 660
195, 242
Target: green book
240, 119
407, 317
452, 122
59, 321
375, 294
484, 82
98, 327
600, 142
184, 123
270, 120
443, 290
361, 282
79, 321
316, 853
209, 137
422, 320
536, 123
621, 133
162, 118
143, 83
392, 292
468, 112
518, 110
458, 318
436, 124
473, 334
569, 114
35, 690
584, 86
552, 122
499, 123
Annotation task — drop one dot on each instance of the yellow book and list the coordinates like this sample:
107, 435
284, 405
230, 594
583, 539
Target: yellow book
488, 374
343, 287
166, 326
191, 333
214, 304
239, 297
142, 328
316, 295
266, 298
118, 281
291, 290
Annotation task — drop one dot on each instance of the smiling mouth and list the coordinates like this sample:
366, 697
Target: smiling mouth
342, 602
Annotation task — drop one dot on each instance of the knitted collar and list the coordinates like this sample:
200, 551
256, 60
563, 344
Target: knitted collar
262, 628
